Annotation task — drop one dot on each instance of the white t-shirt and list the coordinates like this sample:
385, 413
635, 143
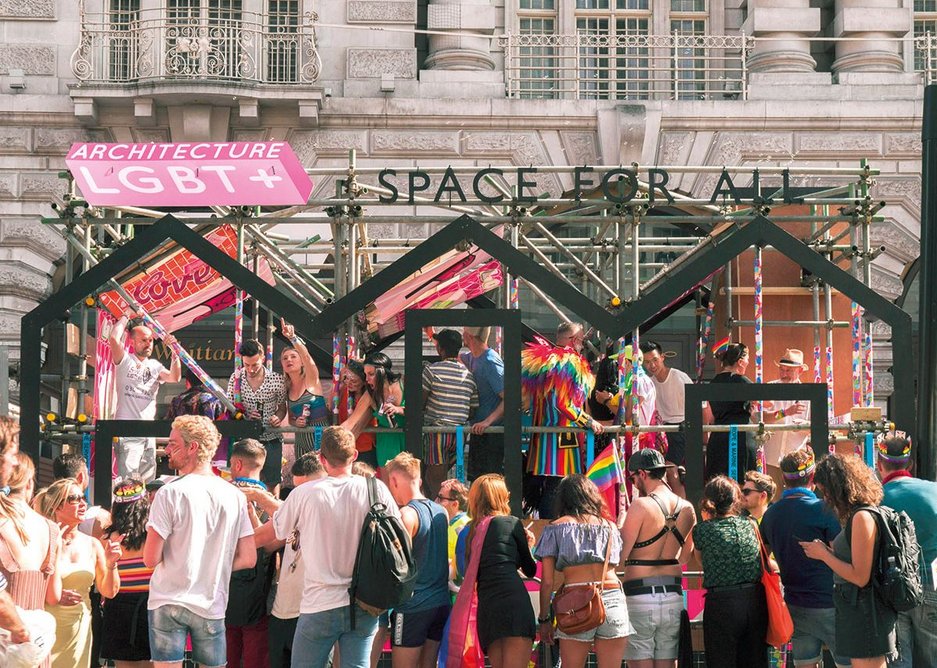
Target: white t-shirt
201, 518
290, 583
671, 399
137, 384
329, 516
783, 443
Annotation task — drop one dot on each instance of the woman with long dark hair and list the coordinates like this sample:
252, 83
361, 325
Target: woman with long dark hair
125, 629
735, 615
385, 391
496, 546
578, 544
734, 362
352, 392
865, 625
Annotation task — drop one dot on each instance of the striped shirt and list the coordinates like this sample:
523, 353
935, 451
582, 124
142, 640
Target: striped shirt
451, 392
3, 583
134, 576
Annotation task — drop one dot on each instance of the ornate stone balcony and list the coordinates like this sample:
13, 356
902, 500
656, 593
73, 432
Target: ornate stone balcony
123, 47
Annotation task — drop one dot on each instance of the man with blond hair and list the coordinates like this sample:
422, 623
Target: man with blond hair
328, 516
417, 625
198, 532
486, 451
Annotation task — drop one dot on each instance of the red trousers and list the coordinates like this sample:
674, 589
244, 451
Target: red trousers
247, 645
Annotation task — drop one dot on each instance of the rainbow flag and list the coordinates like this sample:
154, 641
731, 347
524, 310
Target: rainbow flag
721, 345
607, 474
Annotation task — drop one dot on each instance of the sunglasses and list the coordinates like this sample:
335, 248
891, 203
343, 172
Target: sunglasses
443, 498
74, 498
748, 490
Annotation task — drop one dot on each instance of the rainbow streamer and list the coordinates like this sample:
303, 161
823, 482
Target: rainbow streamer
336, 369
351, 350
238, 339
704, 342
856, 354
829, 380
817, 372
867, 364
722, 345
187, 359
515, 298
268, 357
759, 324
635, 368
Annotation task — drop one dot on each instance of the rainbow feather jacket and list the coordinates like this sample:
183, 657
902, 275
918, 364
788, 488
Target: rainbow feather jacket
556, 382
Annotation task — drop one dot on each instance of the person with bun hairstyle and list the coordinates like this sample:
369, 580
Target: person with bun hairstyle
865, 625
734, 361
353, 391
385, 390
735, 616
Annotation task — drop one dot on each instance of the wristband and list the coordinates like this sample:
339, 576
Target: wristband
295, 340
779, 415
545, 620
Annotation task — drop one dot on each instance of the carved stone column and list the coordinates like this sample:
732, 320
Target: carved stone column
460, 52
786, 23
876, 21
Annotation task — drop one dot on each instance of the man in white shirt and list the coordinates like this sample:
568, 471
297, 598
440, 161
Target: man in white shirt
197, 534
138, 379
671, 404
782, 443
328, 516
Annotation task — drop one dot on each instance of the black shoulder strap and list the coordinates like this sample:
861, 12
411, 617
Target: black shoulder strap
372, 491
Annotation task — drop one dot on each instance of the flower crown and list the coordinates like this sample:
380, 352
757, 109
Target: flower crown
129, 493
883, 446
804, 469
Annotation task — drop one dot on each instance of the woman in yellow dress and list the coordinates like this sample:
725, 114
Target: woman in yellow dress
83, 561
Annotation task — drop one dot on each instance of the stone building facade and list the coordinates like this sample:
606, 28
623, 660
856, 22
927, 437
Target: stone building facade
438, 82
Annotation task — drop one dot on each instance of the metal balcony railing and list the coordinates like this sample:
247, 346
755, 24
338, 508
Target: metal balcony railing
147, 45
677, 66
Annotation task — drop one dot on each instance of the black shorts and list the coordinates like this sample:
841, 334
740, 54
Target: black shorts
676, 447
412, 629
125, 628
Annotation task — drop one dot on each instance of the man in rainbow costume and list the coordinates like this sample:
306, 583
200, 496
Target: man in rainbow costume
556, 381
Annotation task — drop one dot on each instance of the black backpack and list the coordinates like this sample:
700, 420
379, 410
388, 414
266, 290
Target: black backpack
385, 573
896, 574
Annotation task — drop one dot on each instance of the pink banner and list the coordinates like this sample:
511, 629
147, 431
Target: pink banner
189, 174
182, 288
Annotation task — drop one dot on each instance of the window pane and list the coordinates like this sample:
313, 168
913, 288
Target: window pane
632, 66
636, 4
591, 4
689, 5
537, 68
537, 4
925, 5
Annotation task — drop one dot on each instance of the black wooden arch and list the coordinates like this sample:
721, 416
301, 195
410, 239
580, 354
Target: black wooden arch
145, 240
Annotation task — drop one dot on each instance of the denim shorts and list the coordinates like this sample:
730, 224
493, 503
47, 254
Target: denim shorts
169, 625
813, 628
616, 623
656, 620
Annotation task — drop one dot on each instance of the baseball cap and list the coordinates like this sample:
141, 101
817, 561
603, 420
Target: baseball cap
647, 459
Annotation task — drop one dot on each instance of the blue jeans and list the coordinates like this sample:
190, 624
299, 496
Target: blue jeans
813, 628
169, 626
317, 632
917, 634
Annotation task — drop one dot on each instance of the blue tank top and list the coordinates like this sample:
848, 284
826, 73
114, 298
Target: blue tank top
431, 554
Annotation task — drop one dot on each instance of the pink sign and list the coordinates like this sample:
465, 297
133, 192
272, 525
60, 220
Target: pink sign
189, 174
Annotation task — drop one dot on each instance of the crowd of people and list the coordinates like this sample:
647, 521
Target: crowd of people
132, 585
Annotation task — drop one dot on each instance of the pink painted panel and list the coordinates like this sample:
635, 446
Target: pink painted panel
189, 174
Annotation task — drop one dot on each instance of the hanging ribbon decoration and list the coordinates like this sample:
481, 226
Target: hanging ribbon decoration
705, 336
817, 370
238, 339
734, 452
271, 328
336, 369
351, 351
856, 354
867, 363
759, 324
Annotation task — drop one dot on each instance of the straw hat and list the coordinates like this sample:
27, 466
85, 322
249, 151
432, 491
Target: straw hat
793, 358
